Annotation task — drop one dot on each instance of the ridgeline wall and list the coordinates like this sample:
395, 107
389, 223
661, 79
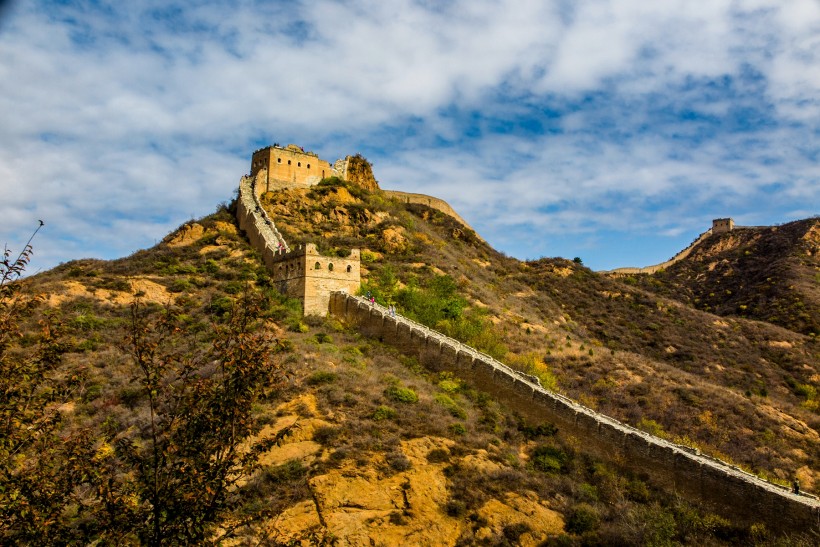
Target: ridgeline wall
432, 202
725, 489
663, 265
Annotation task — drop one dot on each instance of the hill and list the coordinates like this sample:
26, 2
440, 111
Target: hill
364, 444
769, 273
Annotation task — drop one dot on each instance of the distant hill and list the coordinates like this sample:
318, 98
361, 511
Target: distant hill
770, 274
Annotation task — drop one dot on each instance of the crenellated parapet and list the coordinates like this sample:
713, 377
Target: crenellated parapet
724, 488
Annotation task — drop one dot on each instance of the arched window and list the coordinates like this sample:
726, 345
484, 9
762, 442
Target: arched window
330, 267
299, 164
308, 166
278, 160
288, 162
317, 266
349, 268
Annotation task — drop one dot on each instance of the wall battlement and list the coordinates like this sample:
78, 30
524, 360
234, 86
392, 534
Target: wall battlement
723, 488
299, 273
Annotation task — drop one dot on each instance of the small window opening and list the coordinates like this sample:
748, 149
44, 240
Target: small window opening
349, 268
330, 267
317, 266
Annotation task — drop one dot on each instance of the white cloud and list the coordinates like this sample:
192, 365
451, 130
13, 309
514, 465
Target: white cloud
146, 113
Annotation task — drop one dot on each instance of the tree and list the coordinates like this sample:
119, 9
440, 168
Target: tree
42, 468
184, 471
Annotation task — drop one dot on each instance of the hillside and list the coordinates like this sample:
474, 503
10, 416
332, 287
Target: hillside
738, 388
770, 274
367, 447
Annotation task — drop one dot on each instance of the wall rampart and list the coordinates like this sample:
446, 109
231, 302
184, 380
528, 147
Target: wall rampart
723, 488
432, 202
663, 265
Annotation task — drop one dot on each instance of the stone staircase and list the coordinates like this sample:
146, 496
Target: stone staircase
252, 216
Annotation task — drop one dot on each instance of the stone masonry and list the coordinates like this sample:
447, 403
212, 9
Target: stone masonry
301, 273
723, 488
288, 167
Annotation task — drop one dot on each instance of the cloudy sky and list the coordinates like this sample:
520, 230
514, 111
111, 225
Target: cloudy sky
609, 130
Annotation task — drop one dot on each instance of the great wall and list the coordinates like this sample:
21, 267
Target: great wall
719, 226
329, 288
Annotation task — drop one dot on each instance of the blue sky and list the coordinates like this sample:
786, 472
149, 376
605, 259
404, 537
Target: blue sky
609, 130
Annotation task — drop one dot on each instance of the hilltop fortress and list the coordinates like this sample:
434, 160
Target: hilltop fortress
304, 273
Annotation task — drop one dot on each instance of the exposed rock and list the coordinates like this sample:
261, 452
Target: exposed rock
148, 290
225, 227
360, 172
526, 511
394, 240
187, 234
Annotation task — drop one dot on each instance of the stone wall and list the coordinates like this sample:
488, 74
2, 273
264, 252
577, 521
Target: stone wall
253, 219
725, 489
432, 202
663, 265
300, 273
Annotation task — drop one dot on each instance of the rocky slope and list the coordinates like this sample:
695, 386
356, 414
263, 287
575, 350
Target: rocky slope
738, 388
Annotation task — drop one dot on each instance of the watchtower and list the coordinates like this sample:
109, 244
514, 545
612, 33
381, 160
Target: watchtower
307, 275
722, 225
288, 167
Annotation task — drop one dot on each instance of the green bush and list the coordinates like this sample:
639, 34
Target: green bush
550, 459
450, 405
322, 377
401, 394
581, 518
220, 305
384, 413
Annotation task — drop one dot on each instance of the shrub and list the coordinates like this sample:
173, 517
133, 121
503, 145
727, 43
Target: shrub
438, 455
401, 394
324, 338
322, 377
398, 461
450, 405
458, 429
384, 413
220, 305
550, 459
581, 518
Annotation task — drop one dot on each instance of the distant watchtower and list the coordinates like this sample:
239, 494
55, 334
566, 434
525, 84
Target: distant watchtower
722, 225
288, 167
